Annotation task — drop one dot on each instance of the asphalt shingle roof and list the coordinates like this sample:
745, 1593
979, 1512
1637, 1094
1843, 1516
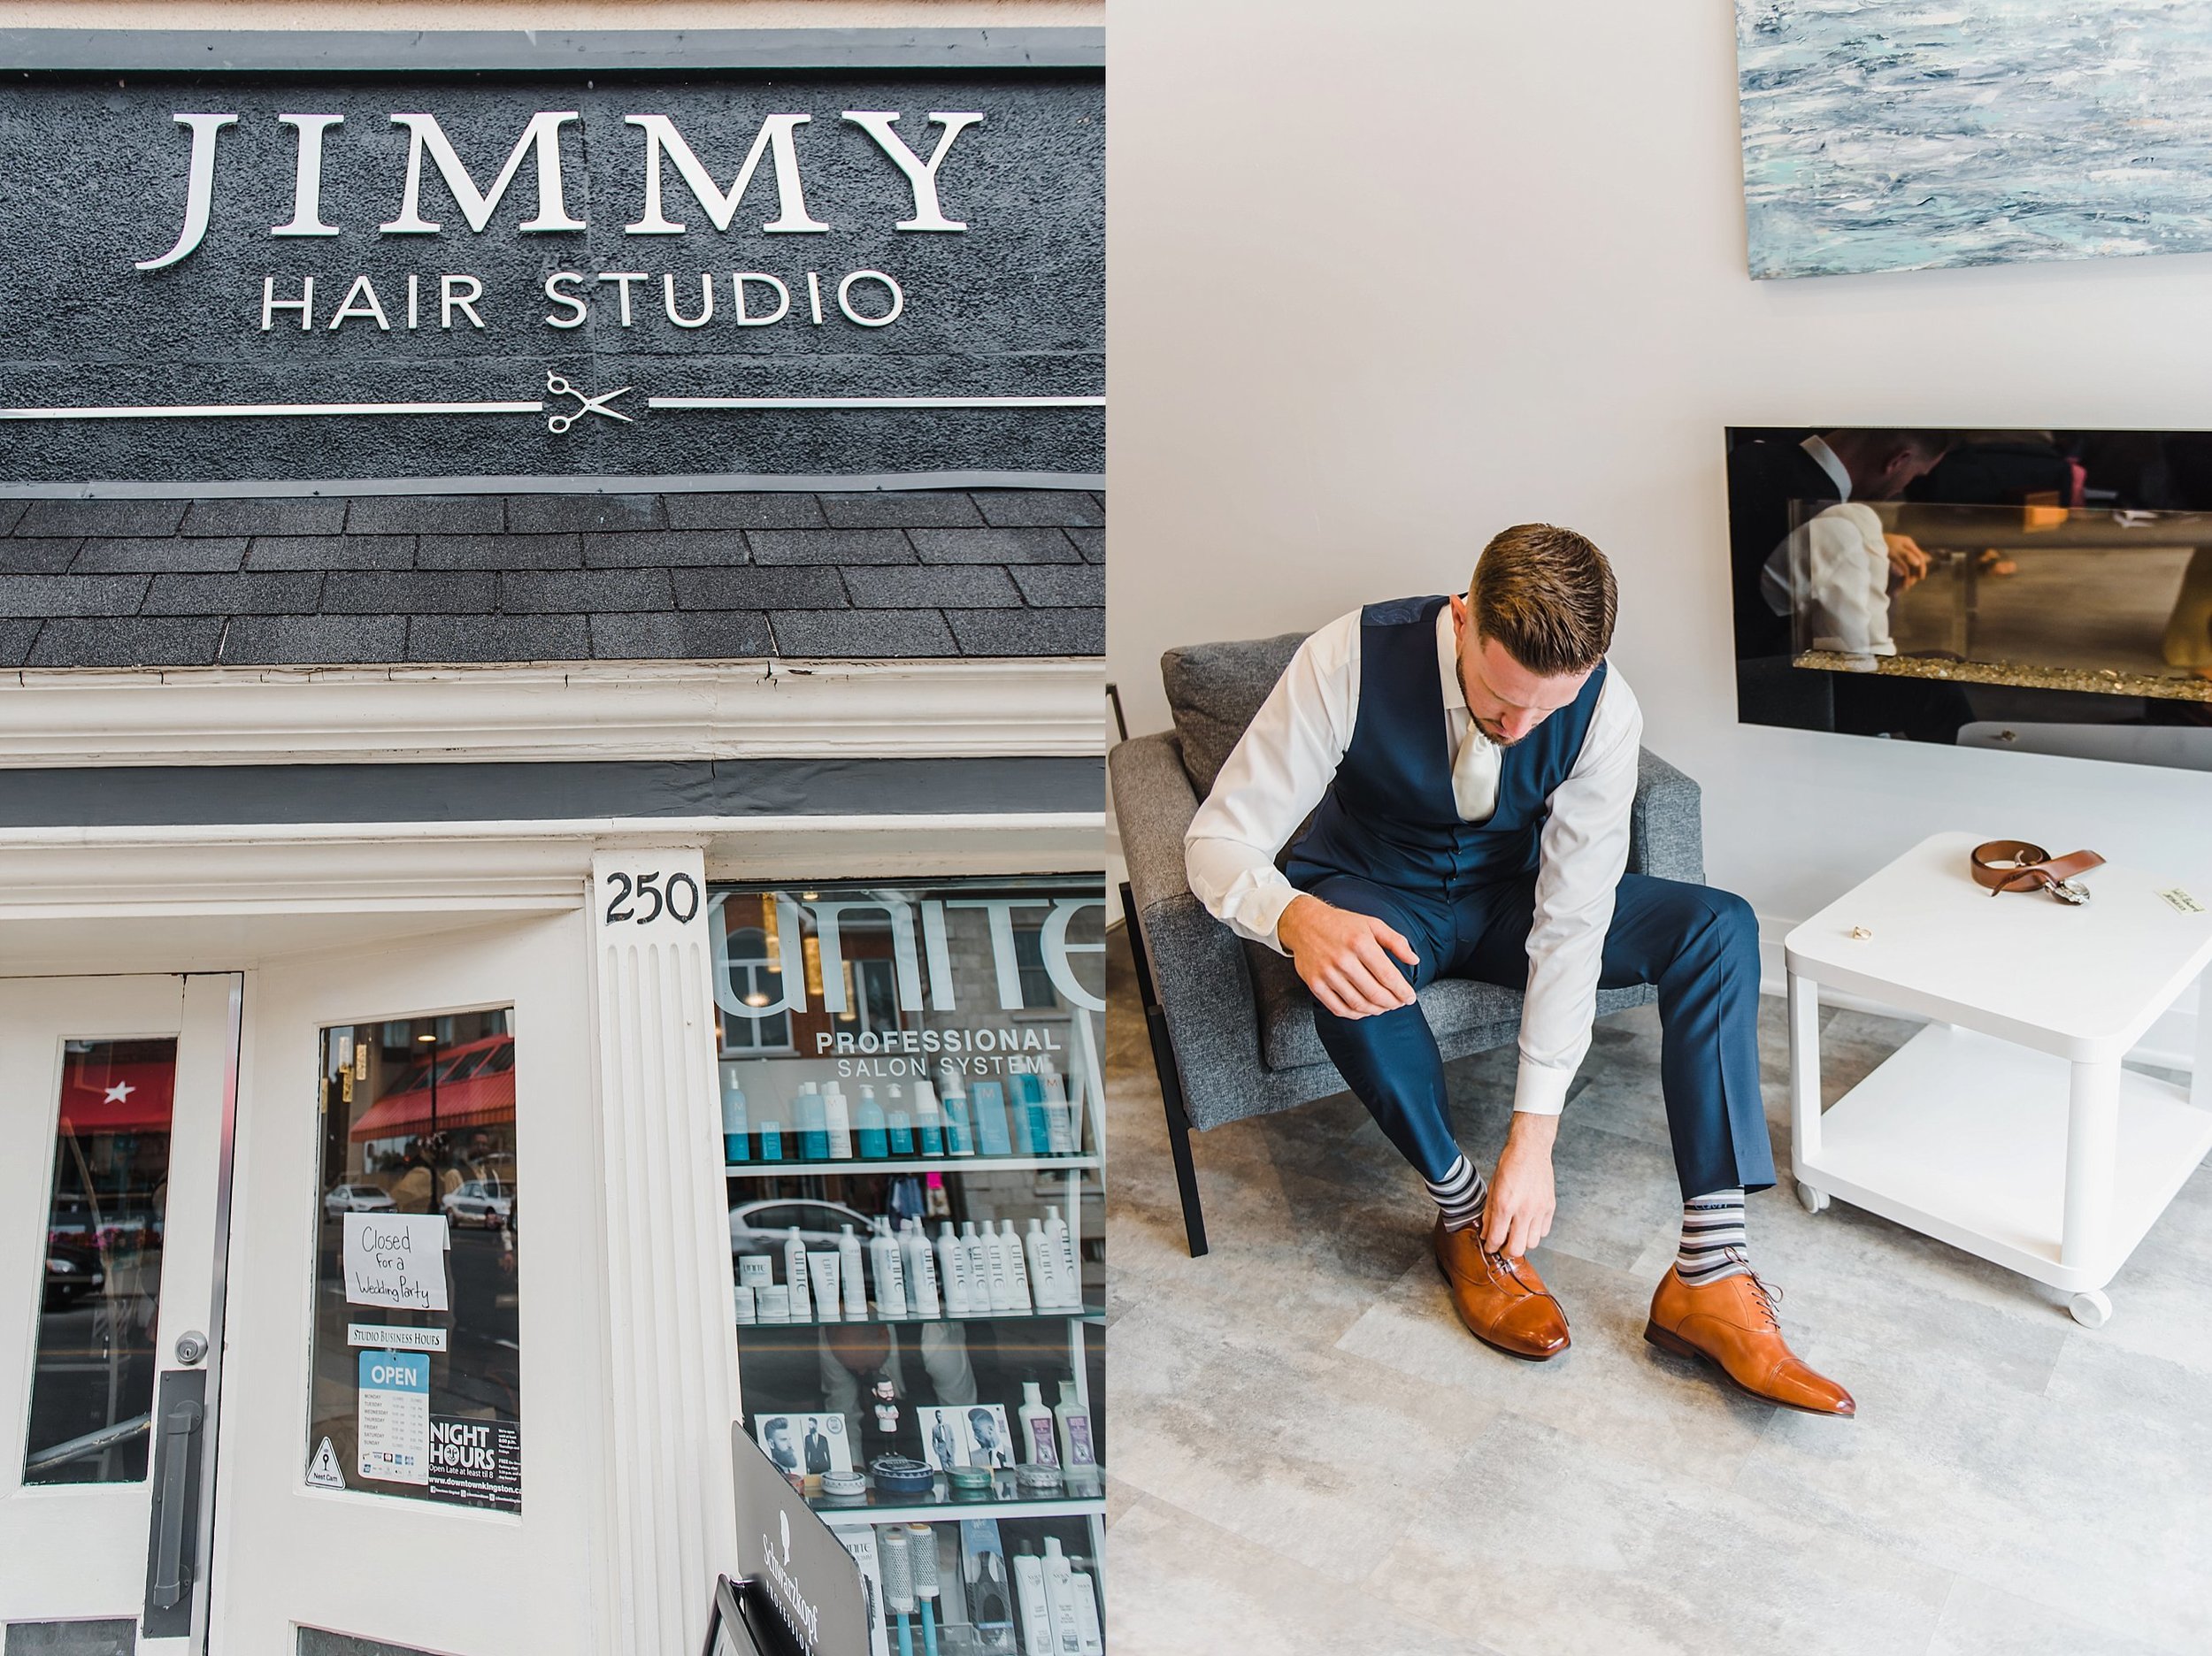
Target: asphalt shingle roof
551, 577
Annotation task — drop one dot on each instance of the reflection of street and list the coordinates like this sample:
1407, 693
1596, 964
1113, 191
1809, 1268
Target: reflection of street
92, 1374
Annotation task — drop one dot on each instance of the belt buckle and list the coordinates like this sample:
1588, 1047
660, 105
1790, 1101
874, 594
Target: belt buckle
2072, 892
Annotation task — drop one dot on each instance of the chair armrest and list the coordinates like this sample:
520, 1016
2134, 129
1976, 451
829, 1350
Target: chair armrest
1198, 966
1666, 833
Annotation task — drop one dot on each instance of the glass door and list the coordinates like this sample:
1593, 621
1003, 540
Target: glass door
115, 1104
414, 1454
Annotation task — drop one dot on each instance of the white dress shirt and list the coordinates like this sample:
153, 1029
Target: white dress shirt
1286, 759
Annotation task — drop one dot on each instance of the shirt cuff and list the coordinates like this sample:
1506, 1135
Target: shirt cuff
1262, 910
1540, 1090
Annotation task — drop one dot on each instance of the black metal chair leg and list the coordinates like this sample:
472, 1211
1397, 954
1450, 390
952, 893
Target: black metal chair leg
1171, 1079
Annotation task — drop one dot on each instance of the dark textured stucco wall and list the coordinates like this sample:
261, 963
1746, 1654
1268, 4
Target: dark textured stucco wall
96, 180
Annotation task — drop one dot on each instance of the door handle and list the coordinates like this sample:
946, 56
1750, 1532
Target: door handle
181, 1436
172, 1549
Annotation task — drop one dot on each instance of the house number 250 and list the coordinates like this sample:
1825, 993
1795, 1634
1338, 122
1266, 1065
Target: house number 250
643, 898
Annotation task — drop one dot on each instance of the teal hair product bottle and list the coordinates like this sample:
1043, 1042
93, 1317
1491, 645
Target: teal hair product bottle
991, 1135
959, 1125
1031, 1131
929, 1125
870, 1128
736, 1131
899, 1125
813, 1124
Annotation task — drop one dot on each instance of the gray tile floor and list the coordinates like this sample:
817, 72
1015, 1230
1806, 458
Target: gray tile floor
1311, 1455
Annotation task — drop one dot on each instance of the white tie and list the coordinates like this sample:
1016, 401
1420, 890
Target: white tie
1475, 775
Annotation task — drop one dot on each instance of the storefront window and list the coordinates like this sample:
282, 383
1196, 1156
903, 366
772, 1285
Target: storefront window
912, 1165
962, 1016
92, 1382
418, 1346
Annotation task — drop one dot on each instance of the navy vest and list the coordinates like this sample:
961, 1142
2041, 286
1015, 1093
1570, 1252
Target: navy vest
1388, 816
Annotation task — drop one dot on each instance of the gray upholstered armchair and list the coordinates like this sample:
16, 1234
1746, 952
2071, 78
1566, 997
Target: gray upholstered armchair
1231, 1026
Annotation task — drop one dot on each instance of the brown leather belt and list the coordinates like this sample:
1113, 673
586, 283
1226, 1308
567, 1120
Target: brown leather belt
2003, 865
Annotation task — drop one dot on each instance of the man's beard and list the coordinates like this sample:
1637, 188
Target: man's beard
1497, 738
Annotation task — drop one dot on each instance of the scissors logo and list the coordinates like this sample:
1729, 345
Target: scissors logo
559, 386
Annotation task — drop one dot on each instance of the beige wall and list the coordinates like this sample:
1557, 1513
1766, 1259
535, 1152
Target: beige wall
552, 14
1386, 278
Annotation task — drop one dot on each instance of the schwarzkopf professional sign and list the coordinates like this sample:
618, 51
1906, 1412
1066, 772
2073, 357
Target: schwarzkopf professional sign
254, 277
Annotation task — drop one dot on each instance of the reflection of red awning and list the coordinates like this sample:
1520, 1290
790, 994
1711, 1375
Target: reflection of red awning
483, 1099
118, 1098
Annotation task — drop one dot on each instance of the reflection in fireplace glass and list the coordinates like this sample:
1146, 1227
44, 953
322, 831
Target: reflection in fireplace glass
2048, 591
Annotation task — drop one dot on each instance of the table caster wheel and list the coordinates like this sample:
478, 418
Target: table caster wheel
1811, 1200
2092, 1310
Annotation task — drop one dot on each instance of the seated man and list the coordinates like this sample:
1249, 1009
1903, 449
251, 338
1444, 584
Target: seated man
1473, 763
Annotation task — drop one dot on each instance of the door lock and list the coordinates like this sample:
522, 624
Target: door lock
191, 1347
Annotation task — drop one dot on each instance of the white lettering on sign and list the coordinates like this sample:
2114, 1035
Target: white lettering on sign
426, 136
307, 180
920, 175
396, 1260
775, 138
199, 189
910, 956
540, 146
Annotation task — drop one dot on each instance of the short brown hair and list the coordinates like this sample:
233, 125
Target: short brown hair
1546, 594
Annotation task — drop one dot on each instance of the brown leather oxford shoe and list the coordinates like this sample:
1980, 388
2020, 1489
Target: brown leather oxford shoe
1732, 1324
1502, 1301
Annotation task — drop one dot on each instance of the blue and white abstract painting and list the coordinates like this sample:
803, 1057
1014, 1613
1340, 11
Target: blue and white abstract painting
1905, 135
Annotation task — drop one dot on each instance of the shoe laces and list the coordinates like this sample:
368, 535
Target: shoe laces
1765, 1293
1500, 1263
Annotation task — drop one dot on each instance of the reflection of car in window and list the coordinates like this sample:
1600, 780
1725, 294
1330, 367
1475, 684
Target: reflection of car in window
485, 1202
763, 1227
356, 1199
71, 1273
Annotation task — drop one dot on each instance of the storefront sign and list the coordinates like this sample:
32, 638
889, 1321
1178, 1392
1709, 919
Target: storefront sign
219, 277
476, 1462
396, 1260
382, 1339
394, 1441
807, 1578
919, 932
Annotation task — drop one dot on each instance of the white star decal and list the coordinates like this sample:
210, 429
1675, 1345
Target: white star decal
119, 1091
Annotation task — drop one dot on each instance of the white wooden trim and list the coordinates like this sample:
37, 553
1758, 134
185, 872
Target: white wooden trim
581, 711
672, 1350
347, 867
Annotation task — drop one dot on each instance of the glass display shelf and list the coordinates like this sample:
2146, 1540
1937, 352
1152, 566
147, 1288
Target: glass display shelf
913, 1164
847, 1015
941, 1507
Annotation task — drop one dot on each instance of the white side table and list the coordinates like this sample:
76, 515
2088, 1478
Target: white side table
2006, 1127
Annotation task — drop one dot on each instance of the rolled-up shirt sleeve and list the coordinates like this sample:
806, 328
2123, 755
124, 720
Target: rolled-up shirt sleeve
1585, 851
1277, 774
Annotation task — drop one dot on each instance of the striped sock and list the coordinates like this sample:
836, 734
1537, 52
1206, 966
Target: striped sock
1459, 1195
1714, 1243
